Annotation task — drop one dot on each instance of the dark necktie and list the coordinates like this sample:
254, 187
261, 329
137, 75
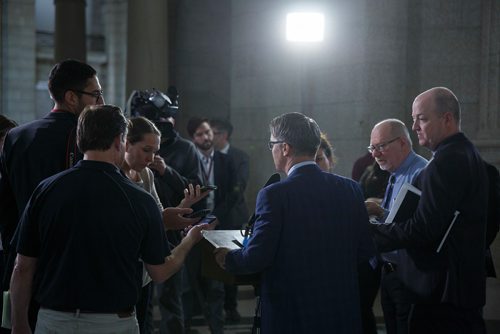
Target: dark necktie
388, 193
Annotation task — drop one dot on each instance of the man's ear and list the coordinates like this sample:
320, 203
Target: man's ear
286, 150
70, 98
117, 142
449, 120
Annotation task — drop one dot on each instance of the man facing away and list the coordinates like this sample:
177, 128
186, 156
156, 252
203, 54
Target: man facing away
311, 232
448, 283
39, 149
238, 215
44, 147
391, 147
82, 235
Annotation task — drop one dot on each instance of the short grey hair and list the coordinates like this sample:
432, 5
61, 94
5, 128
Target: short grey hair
397, 129
299, 131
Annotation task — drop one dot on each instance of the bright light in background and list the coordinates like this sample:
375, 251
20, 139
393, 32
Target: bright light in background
305, 27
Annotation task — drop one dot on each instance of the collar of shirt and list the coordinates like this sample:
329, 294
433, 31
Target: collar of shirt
300, 164
204, 159
406, 165
225, 149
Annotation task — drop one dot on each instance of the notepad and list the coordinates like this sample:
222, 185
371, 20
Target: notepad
405, 204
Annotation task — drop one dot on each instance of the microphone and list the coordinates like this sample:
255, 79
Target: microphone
249, 227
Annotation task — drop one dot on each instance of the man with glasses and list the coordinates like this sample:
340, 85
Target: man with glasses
310, 233
44, 147
391, 147
446, 274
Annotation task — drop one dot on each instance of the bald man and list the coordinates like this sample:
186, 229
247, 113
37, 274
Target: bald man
448, 286
391, 147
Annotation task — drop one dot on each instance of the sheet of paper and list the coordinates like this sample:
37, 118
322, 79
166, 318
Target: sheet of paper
231, 239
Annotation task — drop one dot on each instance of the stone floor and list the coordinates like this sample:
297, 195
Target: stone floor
246, 308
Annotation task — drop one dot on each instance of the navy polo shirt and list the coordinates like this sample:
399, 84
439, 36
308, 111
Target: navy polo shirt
89, 226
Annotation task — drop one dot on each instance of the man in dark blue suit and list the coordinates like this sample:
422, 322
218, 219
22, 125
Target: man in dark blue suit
448, 283
309, 236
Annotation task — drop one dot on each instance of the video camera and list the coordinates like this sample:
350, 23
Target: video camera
156, 106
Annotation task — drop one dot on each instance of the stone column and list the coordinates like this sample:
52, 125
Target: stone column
489, 98
18, 59
147, 45
70, 35
114, 13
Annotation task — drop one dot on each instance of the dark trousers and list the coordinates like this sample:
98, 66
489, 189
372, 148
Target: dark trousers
204, 293
141, 309
170, 303
369, 281
395, 303
445, 319
231, 297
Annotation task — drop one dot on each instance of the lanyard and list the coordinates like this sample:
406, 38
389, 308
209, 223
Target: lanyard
205, 174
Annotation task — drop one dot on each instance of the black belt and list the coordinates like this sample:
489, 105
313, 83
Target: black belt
121, 314
389, 267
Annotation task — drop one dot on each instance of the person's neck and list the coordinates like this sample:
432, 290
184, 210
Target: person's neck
63, 106
101, 156
132, 174
295, 160
207, 153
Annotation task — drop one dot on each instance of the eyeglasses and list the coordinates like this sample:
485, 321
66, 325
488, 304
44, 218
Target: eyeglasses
381, 147
97, 94
272, 143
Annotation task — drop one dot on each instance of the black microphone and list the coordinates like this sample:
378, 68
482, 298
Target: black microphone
248, 228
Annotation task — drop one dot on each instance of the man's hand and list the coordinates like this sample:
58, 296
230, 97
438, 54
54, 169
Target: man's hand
23, 328
194, 232
158, 165
192, 195
220, 256
173, 218
21, 286
374, 208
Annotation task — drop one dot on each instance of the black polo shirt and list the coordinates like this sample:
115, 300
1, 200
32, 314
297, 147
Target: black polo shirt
88, 226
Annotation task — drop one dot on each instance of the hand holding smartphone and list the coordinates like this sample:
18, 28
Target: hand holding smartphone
198, 214
208, 219
208, 188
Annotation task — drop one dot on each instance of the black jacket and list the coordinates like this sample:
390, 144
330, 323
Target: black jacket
455, 179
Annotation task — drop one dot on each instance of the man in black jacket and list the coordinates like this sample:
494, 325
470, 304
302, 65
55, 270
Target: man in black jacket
448, 283
44, 147
215, 169
238, 216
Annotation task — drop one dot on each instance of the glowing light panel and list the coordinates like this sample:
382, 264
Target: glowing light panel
305, 27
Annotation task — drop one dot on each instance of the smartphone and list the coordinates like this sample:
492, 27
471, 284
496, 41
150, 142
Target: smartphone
208, 187
208, 219
198, 214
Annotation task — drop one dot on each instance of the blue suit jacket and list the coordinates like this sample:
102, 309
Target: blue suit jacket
311, 232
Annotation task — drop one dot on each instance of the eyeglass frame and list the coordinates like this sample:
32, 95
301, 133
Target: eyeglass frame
271, 143
97, 94
382, 146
